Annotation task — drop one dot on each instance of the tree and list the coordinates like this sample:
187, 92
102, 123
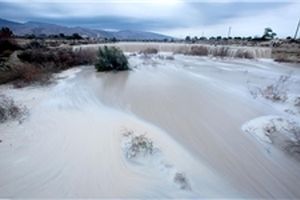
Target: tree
5, 33
61, 35
114, 39
76, 36
268, 34
187, 38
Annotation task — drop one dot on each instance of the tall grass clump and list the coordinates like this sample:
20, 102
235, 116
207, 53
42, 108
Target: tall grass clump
111, 59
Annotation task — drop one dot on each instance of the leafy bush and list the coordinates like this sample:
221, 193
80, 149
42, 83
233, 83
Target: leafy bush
111, 59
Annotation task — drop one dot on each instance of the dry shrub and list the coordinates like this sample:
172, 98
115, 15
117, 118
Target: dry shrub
198, 51
181, 50
181, 180
9, 110
57, 59
27, 74
288, 58
86, 56
276, 91
37, 63
35, 44
149, 50
138, 145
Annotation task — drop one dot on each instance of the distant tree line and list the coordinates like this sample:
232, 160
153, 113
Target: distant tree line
74, 36
268, 34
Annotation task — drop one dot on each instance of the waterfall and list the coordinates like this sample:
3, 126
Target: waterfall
212, 50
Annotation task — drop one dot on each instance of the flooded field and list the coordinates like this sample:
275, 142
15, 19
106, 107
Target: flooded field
173, 126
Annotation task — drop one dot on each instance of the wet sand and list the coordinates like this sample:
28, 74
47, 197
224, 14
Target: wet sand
192, 108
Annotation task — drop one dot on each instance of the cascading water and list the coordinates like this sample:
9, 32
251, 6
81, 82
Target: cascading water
216, 51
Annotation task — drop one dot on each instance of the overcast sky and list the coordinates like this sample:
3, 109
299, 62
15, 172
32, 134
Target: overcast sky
173, 17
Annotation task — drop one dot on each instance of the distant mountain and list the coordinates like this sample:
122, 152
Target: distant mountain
138, 35
4, 22
40, 28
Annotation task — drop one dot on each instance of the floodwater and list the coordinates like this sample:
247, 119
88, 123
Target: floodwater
192, 108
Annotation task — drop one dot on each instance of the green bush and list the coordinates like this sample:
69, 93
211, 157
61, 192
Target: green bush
111, 59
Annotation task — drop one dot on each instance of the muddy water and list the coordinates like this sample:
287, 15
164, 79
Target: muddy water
192, 108
202, 104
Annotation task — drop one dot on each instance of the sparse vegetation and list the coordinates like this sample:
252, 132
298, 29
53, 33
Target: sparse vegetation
181, 180
36, 63
276, 91
9, 110
138, 145
56, 59
111, 59
149, 50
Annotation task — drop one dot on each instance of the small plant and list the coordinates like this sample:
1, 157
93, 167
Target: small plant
111, 59
138, 145
9, 110
276, 92
181, 180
